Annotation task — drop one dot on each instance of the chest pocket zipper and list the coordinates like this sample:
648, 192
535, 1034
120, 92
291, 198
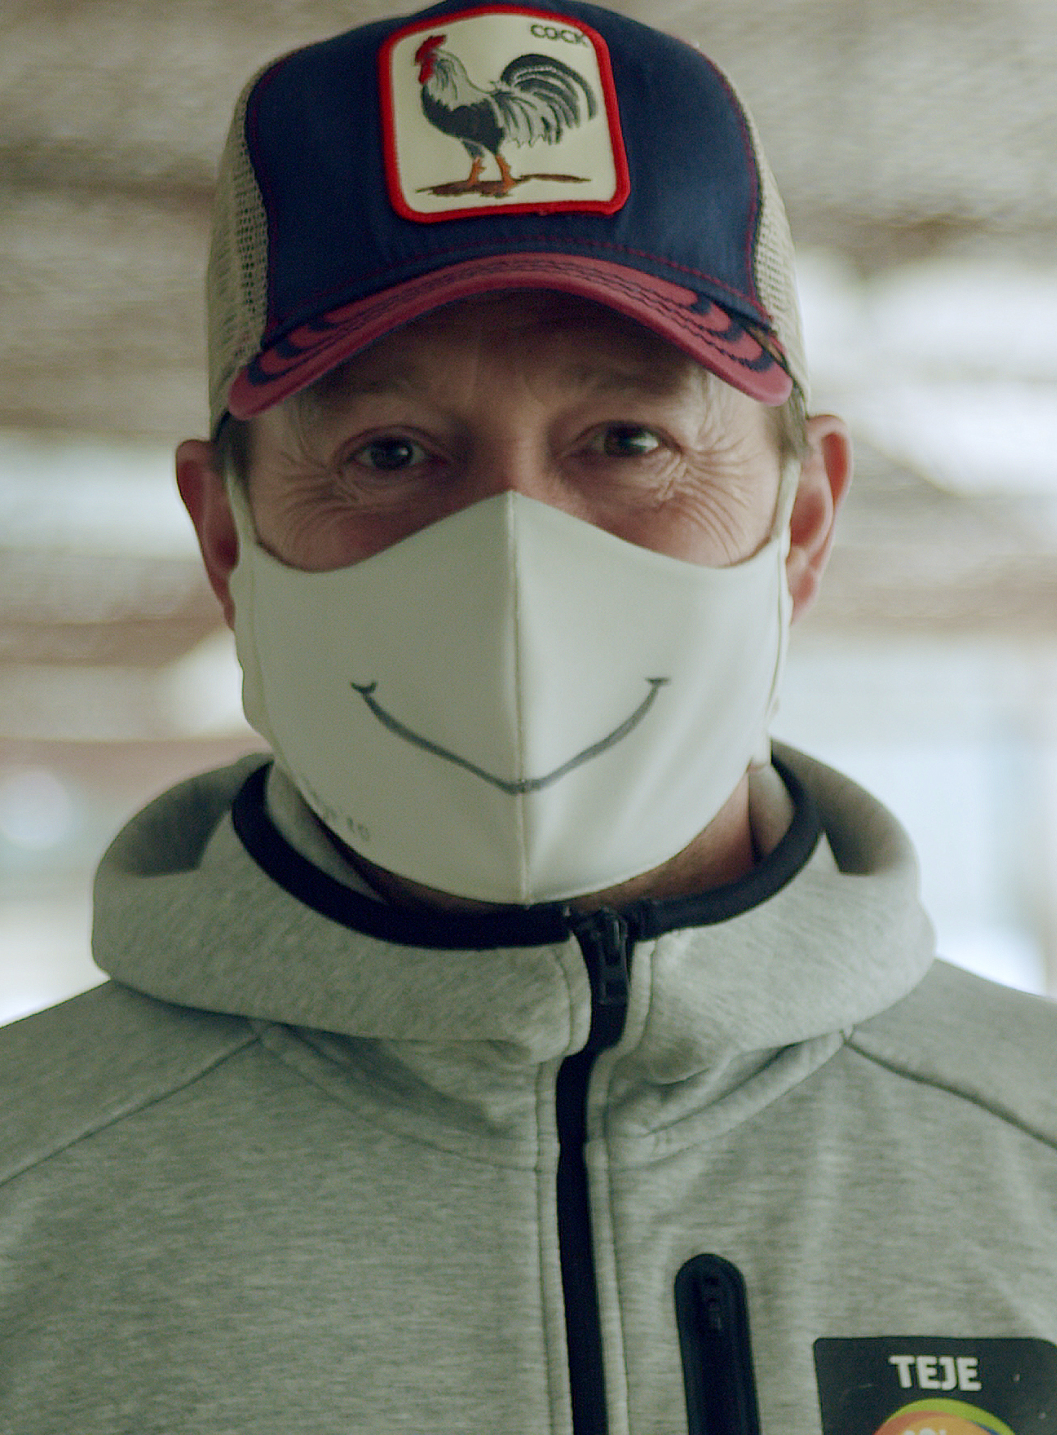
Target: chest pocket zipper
712, 1312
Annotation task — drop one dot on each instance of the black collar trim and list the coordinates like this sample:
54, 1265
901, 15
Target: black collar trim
541, 925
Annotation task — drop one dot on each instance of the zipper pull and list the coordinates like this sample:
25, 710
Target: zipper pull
603, 939
712, 1314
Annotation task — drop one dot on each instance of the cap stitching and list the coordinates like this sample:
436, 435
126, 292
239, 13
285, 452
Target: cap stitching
752, 236
617, 281
595, 244
626, 284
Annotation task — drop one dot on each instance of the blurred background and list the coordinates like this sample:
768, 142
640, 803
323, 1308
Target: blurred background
915, 143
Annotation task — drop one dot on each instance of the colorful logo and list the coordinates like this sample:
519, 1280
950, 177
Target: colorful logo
505, 109
943, 1417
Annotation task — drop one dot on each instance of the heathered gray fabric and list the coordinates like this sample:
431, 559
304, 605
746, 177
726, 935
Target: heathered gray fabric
279, 1177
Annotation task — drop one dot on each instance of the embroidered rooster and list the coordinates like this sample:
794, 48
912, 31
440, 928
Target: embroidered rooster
537, 97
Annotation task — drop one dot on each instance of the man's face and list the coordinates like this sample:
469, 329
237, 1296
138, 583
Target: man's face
559, 399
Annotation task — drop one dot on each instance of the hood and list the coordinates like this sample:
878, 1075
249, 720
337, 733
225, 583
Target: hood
184, 913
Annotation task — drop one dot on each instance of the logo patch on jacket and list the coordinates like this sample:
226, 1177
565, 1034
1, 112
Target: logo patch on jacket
507, 110
933, 1385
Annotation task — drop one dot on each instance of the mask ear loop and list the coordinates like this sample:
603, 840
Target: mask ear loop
245, 526
788, 485
241, 586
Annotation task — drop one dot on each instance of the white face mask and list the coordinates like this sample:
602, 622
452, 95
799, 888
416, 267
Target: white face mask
513, 705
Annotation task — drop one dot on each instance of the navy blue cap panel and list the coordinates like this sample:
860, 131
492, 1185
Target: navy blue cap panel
708, 221
315, 137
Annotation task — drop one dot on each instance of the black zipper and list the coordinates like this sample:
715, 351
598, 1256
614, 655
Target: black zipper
711, 1305
605, 942
712, 1313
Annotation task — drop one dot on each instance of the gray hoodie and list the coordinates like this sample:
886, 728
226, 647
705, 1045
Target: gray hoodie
295, 1171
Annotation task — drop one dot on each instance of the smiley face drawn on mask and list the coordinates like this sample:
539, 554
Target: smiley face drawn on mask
522, 785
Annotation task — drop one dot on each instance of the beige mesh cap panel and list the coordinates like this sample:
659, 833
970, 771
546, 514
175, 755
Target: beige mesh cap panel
237, 272
775, 261
400, 166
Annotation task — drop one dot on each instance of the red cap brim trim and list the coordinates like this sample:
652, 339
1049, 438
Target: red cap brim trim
717, 340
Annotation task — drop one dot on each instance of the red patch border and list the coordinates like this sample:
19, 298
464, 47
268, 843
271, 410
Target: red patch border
609, 89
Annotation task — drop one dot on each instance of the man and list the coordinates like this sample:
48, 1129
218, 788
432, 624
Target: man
523, 1050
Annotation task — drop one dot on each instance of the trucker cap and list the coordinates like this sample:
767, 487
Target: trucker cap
395, 168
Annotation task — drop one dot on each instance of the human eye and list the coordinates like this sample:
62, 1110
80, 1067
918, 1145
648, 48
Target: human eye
624, 441
390, 453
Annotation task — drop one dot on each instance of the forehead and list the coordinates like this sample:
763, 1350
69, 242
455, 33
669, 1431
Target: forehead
574, 337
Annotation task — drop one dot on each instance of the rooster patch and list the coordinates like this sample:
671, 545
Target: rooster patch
510, 110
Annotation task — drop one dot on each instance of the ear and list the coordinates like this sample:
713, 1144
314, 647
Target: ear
824, 480
205, 497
